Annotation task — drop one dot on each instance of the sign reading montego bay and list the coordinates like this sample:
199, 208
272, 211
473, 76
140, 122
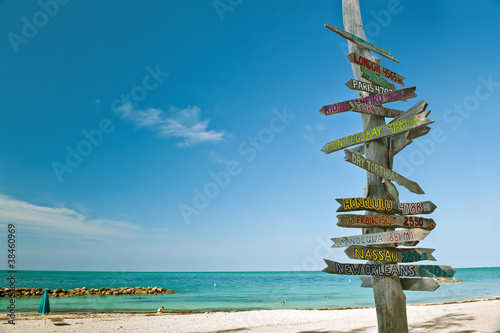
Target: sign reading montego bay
388, 237
374, 109
361, 42
389, 254
373, 100
378, 132
385, 206
389, 269
363, 62
384, 221
381, 171
366, 86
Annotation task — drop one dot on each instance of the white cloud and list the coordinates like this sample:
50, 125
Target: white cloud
184, 124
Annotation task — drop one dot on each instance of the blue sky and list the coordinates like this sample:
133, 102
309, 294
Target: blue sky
231, 90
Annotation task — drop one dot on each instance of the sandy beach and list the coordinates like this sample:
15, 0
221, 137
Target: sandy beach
481, 315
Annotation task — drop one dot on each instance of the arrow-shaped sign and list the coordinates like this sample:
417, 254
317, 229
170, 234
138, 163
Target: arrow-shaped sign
365, 63
361, 42
367, 87
381, 171
385, 206
375, 78
384, 221
389, 254
388, 269
388, 237
418, 284
373, 100
378, 132
374, 109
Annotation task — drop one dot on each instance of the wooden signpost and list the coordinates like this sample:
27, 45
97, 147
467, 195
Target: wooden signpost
334, 267
384, 221
367, 87
388, 237
365, 63
418, 284
385, 206
375, 78
379, 170
362, 42
374, 109
389, 254
373, 100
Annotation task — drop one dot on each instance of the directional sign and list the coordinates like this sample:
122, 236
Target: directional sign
381, 171
375, 78
374, 109
385, 206
388, 269
384, 221
373, 100
388, 237
378, 132
390, 190
404, 139
418, 284
363, 62
389, 254
361, 42
366, 86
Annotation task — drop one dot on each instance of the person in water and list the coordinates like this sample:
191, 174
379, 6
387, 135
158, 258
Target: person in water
160, 310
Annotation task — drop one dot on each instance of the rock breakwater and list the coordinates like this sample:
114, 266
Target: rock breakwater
58, 292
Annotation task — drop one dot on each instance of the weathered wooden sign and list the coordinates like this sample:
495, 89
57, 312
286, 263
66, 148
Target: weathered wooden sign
375, 78
390, 190
381, 171
367, 87
334, 267
389, 254
417, 284
363, 62
374, 109
387, 237
361, 42
373, 100
378, 132
384, 221
404, 139
385, 206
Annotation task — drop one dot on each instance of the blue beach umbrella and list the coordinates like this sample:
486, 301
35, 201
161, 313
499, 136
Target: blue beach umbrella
44, 307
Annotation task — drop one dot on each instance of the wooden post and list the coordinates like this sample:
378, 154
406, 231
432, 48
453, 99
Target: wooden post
390, 300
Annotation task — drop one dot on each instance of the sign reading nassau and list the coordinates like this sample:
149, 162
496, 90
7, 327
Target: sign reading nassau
389, 254
384, 221
361, 42
385, 206
381, 171
388, 237
363, 62
389, 269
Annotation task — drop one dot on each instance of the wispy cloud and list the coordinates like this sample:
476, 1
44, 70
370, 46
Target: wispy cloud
184, 124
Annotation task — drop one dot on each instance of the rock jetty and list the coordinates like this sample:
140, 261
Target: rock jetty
446, 280
38, 292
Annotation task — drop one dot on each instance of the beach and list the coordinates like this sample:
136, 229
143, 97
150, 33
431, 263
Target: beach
480, 315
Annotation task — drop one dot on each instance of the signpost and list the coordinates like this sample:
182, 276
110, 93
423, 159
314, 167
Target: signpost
366, 86
418, 284
384, 221
385, 206
375, 78
389, 254
366, 63
334, 267
374, 109
388, 237
361, 42
379, 170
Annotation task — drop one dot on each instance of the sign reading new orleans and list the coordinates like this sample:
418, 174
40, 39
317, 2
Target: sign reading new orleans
374, 109
363, 62
384, 221
367, 87
373, 100
419, 284
385, 206
388, 269
378, 132
389, 254
361, 42
381, 171
388, 237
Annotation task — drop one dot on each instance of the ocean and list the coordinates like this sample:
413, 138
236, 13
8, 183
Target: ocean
230, 291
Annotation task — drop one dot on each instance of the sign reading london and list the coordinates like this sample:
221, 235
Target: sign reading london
384, 221
361, 42
385, 206
363, 62
388, 237
389, 254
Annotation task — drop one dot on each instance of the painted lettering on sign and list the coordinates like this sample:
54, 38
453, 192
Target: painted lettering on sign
384, 221
389, 254
348, 204
398, 236
377, 68
375, 78
417, 208
366, 86
374, 109
375, 254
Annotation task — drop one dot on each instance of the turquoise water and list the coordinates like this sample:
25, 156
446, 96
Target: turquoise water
217, 291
